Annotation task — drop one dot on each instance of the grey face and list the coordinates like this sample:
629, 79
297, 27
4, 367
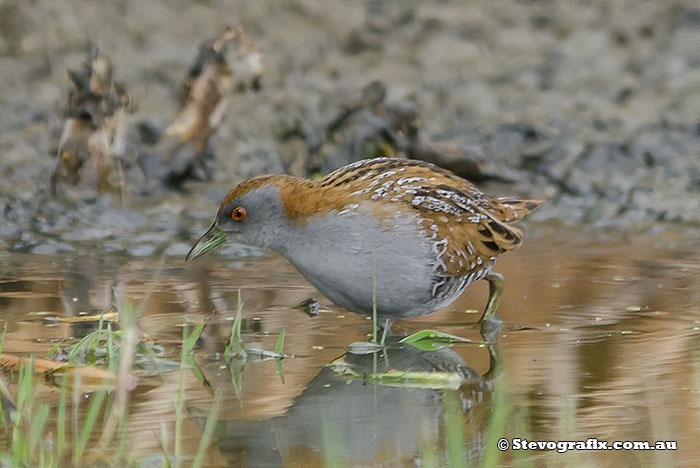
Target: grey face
255, 218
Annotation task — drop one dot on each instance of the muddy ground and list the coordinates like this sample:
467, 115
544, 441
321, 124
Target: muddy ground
592, 105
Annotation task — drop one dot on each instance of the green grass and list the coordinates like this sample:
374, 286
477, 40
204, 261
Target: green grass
235, 342
236, 353
88, 425
332, 436
70, 433
374, 299
454, 428
430, 340
500, 415
208, 432
278, 350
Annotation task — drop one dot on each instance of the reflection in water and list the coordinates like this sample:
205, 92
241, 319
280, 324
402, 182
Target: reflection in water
598, 341
359, 423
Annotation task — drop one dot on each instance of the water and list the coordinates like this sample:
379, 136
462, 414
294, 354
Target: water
600, 339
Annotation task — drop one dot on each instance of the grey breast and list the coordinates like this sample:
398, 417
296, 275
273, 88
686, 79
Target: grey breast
342, 251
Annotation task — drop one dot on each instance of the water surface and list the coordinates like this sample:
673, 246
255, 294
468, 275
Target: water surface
600, 339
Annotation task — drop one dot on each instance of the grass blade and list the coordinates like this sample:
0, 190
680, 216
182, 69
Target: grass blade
374, 299
191, 341
278, 350
207, 433
2, 337
280, 342
500, 415
61, 419
454, 427
90, 418
37, 427
430, 340
235, 343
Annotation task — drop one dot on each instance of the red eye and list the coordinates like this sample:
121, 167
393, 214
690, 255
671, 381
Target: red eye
238, 214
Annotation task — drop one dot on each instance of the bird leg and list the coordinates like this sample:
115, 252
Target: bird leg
496, 283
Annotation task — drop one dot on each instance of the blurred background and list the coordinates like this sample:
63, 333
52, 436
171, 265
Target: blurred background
124, 123
590, 105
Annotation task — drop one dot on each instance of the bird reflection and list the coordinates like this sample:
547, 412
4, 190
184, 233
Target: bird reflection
368, 423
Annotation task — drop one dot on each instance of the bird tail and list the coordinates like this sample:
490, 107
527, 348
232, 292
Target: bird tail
511, 210
500, 234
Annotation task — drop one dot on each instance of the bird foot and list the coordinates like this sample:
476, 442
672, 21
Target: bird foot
490, 329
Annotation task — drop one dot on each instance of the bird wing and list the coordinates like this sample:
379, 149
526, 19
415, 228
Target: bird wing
469, 228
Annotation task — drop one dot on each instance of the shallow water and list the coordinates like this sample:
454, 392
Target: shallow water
599, 339
599, 333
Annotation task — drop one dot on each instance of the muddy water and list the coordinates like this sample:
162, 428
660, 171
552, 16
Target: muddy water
600, 339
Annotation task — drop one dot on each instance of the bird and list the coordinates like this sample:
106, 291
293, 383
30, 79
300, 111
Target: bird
396, 237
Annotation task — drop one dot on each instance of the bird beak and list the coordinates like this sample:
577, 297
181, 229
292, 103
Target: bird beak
211, 239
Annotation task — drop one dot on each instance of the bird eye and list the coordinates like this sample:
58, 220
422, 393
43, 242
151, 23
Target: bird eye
238, 214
